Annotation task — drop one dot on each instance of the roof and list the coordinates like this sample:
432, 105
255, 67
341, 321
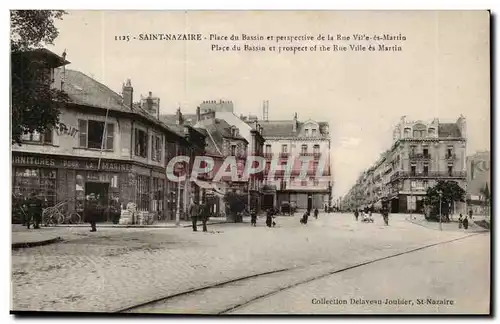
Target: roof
284, 128
210, 147
44, 54
85, 91
449, 130
189, 119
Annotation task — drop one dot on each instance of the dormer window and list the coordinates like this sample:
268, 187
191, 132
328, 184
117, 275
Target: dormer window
307, 132
314, 132
407, 132
432, 131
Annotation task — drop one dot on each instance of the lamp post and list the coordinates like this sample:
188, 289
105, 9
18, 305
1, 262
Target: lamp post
440, 193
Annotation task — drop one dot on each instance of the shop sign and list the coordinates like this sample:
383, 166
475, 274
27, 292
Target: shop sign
70, 163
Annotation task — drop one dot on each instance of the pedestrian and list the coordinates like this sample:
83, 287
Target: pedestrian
470, 214
194, 211
253, 215
356, 214
326, 208
460, 220
316, 212
465, 223
204, 215
34, 205
269, 218
91, 211
305, 217
385, 215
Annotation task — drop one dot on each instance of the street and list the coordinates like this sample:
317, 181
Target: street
118, 268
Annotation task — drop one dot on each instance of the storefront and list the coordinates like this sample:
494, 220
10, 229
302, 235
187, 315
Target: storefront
70, 179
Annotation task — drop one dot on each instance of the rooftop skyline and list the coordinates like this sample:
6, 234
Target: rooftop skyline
442, 72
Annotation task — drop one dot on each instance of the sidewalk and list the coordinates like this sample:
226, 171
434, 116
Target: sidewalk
22, 237
420, 220
159, 224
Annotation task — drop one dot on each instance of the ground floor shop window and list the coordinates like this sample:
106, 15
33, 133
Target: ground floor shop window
104, 186
158, 194
39, 180
142, 193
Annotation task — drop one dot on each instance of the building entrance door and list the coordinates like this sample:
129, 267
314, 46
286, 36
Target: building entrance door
309, 202
100, 191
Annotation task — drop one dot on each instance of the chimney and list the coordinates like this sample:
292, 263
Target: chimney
178, 115
198, 114
294, 124
128, 94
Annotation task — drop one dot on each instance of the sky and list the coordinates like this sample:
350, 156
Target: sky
441, 72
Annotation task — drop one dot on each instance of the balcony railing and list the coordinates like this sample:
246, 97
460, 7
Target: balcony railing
441, 174
452, 156
420, 156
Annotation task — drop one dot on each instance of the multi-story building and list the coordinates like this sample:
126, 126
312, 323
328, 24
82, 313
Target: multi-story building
104, 145
422, 153
290, 139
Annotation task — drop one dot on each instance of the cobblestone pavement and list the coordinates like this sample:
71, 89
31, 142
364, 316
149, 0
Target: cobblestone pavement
457, 271
115, 268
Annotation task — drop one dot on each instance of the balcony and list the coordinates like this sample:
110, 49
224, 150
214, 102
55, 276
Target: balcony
420, 156
441, 174
284, 155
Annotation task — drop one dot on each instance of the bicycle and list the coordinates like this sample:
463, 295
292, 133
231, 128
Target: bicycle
53, 215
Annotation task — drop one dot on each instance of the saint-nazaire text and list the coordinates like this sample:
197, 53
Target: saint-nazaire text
171, 37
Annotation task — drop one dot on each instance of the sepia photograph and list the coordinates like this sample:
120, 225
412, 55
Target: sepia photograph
209, 162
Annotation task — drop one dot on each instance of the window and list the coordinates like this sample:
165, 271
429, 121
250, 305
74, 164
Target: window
316, 149
284, 148
233, 150
313, 132
42, 181
450, 169
158, 194
426, 169
407, 132
156, 148
449, 152
141, 143
431, 131
316, 182
303, 183
45, 138
413, 170
307, 132
303, 149
92, 132
413, 149
426, 184
268, 149
426, 152
142, 195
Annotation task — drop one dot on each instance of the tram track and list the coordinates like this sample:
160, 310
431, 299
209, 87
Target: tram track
219, 298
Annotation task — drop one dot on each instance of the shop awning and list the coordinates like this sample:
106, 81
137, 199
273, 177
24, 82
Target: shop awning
204, 184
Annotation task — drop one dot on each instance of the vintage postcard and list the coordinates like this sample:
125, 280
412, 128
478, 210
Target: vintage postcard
250, 162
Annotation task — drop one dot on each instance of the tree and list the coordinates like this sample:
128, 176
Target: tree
33, 107
485, 192
450, 192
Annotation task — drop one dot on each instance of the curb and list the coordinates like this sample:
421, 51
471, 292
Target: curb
20, 245
472, 230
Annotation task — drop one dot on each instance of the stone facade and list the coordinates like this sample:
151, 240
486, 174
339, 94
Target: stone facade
422, 154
